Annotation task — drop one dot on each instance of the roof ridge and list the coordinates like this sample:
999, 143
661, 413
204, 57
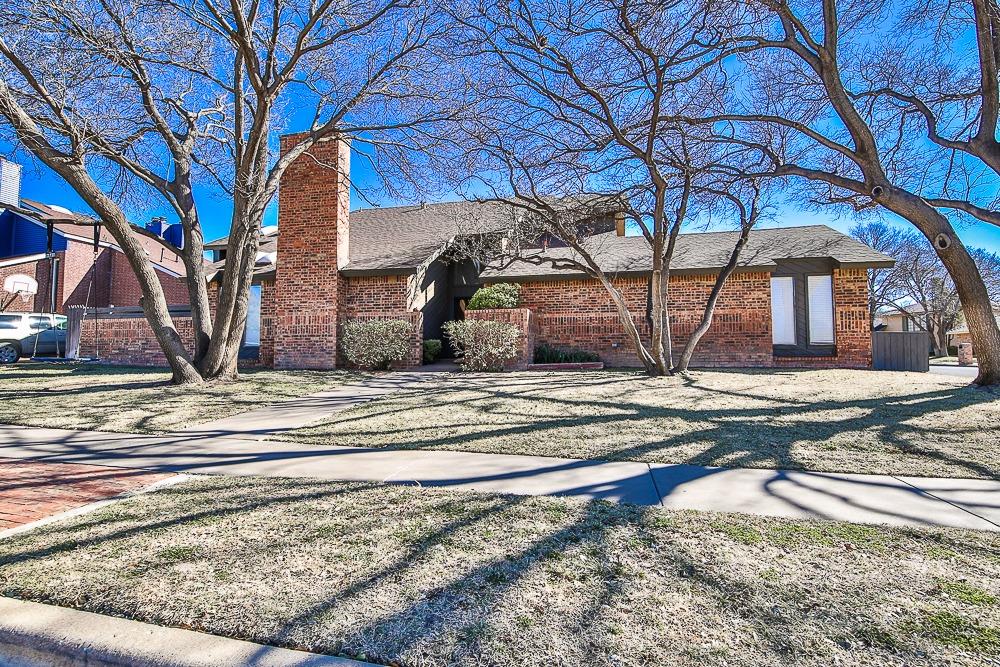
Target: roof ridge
418, 205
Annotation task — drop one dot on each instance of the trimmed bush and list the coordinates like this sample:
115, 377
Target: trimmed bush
432, 350
375, 344
501, 295
483, 345
546, 354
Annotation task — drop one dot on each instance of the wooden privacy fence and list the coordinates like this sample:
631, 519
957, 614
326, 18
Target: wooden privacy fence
900, 351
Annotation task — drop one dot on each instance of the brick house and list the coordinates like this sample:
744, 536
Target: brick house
70, 275
798, 298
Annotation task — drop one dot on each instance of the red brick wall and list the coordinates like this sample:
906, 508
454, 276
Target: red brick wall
125, 290
268, 295
374, 294
38, 270
524, 320
382, 297
127, 341
313, 209
580, 314
114, 284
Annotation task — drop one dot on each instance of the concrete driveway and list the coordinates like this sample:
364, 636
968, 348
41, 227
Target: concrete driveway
955, 371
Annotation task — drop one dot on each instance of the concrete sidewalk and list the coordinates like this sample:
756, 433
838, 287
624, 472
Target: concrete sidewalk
33, 634
882, 499
304, 410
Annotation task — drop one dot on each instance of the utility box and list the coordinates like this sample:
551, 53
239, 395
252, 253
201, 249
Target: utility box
965, 354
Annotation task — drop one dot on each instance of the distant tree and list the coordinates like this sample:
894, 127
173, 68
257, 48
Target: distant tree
883, 284
919, 278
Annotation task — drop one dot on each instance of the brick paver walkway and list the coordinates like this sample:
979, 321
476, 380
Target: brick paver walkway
30, 491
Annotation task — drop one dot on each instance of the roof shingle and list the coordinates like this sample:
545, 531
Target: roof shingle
702, 252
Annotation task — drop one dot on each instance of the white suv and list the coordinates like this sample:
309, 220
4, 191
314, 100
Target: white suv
18, 332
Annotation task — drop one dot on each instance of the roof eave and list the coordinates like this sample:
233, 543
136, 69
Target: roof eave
874, 264
348, 272
567, 274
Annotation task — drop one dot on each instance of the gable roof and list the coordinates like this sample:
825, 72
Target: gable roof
80, 228
702, 252
399, 240
395, 240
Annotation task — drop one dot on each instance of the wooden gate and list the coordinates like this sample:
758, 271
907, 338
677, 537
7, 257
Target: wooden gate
74, 329
900, 351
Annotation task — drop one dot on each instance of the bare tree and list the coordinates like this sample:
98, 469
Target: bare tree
920, 279
883, 284
169, 94
806, 103
571, 100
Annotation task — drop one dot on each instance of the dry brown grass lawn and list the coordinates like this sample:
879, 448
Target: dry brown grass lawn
428, 577
139, 400
830, 420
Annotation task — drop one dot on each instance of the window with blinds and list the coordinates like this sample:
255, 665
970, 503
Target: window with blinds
783, 311
820, 310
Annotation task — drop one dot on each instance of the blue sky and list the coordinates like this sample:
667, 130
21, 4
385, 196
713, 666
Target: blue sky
41, 184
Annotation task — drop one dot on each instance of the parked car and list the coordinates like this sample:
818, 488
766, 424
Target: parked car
18, 332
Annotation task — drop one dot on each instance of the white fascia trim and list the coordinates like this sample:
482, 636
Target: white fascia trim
23, 259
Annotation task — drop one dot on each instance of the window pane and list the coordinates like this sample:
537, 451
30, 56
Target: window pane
820, 310
252, 335
9, 321
782, 311
39, 322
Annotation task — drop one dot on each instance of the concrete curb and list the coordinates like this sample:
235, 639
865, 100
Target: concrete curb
33, 635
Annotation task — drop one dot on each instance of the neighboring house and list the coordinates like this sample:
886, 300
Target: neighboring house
70, 276
960, 334
914, 319
799, 297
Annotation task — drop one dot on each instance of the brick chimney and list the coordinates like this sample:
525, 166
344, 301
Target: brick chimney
313, 244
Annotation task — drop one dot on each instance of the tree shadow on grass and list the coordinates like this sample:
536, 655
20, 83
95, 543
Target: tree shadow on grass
736, 435
453, 621
459, 615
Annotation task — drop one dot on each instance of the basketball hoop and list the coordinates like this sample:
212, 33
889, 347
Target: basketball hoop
19, 285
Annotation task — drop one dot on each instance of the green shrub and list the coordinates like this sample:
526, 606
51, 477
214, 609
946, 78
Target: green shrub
483, 345
546, 354
376, 344
432, 350
501, 295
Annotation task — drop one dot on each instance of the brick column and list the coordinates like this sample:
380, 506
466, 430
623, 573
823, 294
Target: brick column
851, 319
313, 238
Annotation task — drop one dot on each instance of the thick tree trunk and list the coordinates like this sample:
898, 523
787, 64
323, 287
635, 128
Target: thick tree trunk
153, 301
70, 167
659, 342
962, 268
221, 359
193, 255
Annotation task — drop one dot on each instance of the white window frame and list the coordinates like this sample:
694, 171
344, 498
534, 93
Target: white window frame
819, 296
779, 335
251, 334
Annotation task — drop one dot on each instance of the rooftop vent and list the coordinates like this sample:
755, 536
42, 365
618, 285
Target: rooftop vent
10, 183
